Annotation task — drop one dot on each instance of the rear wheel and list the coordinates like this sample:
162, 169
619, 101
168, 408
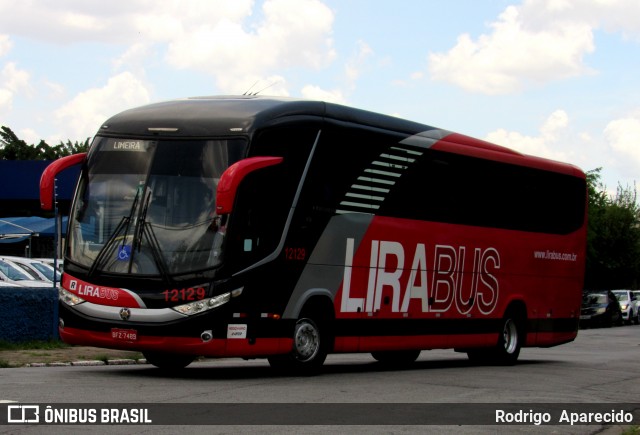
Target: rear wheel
508, 348
510, 341
168, 361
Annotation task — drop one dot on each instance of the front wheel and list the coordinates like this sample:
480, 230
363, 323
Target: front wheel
619, 321
168, 361
310, 349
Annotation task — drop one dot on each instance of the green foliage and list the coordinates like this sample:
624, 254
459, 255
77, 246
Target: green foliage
633, 430
613, 238
13, 148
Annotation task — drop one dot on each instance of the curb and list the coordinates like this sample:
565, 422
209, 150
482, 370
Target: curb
90, 363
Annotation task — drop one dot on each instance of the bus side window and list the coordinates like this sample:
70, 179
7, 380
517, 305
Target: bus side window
259, 216
265, 197
248, 245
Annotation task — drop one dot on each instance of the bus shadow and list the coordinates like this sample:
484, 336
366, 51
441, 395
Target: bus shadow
213, 370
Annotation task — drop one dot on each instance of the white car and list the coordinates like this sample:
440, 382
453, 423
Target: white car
50, 261
37, 269
629, 305
12, 274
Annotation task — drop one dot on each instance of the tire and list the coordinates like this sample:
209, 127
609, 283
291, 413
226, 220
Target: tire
309, 351
507, 350
619, 321
168, 361
397, 358
509, 342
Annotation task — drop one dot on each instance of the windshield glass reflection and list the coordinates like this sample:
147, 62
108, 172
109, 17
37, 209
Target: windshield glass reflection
149, 208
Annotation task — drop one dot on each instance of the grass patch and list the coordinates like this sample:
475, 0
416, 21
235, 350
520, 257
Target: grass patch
106, 357
34, 345
634, 430
103, 358
38, 353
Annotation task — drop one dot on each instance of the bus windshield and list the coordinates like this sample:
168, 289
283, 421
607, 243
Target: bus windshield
147, 207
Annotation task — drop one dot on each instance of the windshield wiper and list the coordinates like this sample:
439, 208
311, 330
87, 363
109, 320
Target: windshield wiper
144, 228
103, 251
124, 223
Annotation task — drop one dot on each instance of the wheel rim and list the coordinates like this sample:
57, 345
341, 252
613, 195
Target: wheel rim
510, 336
306, 340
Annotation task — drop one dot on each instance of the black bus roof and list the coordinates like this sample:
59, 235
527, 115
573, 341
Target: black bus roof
206, 117
213, 116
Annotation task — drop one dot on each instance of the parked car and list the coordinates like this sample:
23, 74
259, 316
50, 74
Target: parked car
50, 261
637, 295
12, 274
37, 269
628, 304
600, 308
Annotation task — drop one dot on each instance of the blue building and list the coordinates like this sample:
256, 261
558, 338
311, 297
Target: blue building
25, 230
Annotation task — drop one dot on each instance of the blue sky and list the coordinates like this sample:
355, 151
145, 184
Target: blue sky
554, 78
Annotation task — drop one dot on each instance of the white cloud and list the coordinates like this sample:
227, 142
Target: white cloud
89, 109
550, 142
133, 58
67, 21
355, 65
30, 136
514, 54
316, 93
619, 16
554, 125
14, 79
54, 90
12, 82
534, 43
617, 150
231, 41
623, 136
291, 34
5, 45
6, 100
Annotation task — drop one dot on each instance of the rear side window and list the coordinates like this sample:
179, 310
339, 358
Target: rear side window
360, 171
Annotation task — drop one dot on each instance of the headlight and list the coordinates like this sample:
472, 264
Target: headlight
68, 297
203, 305
623, 306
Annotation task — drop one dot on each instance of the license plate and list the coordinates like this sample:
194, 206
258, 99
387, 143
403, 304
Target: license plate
124, 334
585, 317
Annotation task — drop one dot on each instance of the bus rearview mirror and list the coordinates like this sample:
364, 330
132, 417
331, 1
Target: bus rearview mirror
233, 176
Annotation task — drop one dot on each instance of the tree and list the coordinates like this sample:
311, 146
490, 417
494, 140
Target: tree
13, 148
613, 238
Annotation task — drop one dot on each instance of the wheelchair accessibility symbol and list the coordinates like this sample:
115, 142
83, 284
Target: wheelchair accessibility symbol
124, 253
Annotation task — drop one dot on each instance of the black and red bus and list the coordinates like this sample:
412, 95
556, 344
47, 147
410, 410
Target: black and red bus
263, 227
